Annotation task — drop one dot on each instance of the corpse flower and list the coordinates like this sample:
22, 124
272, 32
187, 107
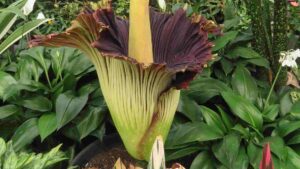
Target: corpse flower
141, 67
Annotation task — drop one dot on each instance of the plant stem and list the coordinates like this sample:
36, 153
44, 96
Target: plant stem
272, 87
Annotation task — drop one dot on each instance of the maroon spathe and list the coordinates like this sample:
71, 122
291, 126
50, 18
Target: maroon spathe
180, 43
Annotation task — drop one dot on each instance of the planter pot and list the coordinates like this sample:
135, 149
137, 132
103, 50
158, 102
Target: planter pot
99, 152
103, 154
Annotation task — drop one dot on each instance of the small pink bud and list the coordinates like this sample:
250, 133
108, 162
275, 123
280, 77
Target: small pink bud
266, 162
293, 3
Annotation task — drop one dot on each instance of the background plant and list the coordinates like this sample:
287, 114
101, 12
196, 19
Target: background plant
9, 158
50, 96
28, 100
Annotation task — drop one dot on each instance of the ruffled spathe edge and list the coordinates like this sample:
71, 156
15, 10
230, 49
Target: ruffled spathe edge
179, 43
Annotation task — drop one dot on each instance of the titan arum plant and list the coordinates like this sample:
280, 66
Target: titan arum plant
141, 67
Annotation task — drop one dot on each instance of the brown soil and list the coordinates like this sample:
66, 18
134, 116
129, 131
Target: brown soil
108, 158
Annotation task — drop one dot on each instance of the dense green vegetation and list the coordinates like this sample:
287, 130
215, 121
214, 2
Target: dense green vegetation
51, 96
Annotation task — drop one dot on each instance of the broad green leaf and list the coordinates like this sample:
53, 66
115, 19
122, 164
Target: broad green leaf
242, 52
99, 132
294, 140
89, 88
90, 122
38, 55
2, 148
191, 132
38, 103
284, 129
244, 109
227, 66
222, 41
203, 88
293, 158
20, 32
203, 160
230, 153
286, 104
71, 132
213, 119
225, 118
68, 106
295, 110
189, 108
78, 65
25, 134
176, 154
263, 62
271, 112
241, 130
244, 84
47, 125
255, 154
5, 81
8, 110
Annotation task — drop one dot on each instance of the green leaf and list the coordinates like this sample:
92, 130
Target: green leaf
286, 104
90, 122
38, 103
244, 109
241, 130
263, 62
227, 66
230, 154
294, 140
78, 65
284, 129
213, 119
244, 84
9, 18
204, 161
20, 32
25, 134
176, 154
255, 154
2, 148
8, 110
5, 81
189, 108
271, 112
293, 159
225, 118
203, 88
295, 110
242, 52
47, 125
191, 132
68, 106
222, 41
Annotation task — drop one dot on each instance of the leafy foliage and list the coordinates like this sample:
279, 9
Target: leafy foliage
44, 92
11, 159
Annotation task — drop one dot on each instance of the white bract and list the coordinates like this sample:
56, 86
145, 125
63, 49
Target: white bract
28, 7
288, 58
162, 4
40, 16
